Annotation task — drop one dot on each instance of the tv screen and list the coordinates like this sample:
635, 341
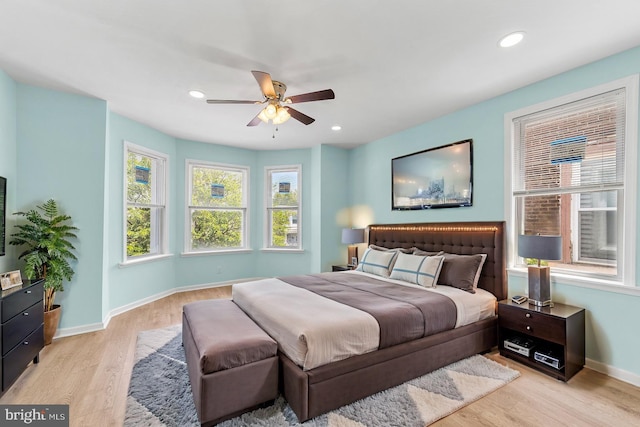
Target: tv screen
440, 177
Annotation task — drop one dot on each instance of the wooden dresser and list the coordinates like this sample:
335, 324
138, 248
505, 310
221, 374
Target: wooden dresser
21, 332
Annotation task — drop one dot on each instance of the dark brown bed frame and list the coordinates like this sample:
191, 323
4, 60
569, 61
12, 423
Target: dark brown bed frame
320, 390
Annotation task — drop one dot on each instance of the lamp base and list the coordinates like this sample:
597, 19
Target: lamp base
540, 286
352, 253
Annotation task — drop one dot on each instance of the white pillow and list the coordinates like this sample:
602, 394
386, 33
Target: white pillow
377, 262
421, 270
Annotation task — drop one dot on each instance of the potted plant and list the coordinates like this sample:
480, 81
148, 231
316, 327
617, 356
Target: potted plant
47, 254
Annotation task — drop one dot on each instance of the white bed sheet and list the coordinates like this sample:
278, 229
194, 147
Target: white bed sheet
470, 307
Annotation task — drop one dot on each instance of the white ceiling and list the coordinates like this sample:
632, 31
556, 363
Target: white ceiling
392, 65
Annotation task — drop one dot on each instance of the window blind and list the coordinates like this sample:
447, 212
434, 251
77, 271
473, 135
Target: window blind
576, 147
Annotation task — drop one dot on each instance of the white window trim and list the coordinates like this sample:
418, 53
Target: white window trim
164, 252
267, 195
631, 85
246, 237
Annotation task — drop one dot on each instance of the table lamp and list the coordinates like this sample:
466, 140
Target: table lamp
351, 237
540, 248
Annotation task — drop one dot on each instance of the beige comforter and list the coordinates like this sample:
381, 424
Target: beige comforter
276, 307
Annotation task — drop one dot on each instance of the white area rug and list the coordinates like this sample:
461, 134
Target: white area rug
160, 394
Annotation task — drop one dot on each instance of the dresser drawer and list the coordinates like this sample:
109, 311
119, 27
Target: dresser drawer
532, 323
17, 359
16, 329
20, 300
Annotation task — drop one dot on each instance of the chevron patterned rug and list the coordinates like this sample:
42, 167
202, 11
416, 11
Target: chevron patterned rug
160, 394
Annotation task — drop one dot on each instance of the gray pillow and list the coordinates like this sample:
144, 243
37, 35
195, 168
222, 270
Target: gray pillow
461, 271
420, 252
382, 248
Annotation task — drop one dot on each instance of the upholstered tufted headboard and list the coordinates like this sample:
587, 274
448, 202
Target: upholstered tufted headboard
463, 238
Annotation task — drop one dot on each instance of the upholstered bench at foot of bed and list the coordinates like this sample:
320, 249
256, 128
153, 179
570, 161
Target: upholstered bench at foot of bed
232, 363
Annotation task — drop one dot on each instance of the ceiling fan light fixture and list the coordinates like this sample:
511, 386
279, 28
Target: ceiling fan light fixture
281, 116
271, 111
263, 116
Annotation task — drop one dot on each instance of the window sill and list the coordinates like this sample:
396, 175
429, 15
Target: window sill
583, 282
216, 252
283, 250
144, 260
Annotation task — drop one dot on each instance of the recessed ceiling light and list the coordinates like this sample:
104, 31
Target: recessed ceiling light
336, 127
511, 39
196, 94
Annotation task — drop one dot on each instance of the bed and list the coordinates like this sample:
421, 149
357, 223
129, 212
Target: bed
375, 355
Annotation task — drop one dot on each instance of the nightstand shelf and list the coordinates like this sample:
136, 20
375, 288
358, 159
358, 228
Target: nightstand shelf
341, 267
559, 328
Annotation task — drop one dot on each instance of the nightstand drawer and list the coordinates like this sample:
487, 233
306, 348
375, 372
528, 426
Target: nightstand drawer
16, 329
14, 363
533, 323
20, 300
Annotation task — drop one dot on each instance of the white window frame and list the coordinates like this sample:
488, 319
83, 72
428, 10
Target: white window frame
268, 171
627, 269
189, 165
160, 178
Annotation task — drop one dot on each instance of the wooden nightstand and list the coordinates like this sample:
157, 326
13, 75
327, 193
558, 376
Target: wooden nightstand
558, 329
341, 267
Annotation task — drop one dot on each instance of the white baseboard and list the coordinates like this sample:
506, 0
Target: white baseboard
76, 330
613, 372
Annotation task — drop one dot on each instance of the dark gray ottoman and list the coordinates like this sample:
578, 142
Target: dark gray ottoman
232, 363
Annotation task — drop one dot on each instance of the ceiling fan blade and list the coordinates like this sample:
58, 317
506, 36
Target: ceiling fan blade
302, 118
231, 101
265, 82
311, 96
255, 121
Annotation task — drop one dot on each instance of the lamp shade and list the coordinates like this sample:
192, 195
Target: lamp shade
540, 247
352, 236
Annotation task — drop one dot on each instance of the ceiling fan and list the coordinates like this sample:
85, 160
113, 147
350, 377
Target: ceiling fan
273, 92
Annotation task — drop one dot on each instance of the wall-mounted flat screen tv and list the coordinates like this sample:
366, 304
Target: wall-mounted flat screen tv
440, 177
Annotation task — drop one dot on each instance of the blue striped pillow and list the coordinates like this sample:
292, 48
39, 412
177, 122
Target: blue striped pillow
421, 270
377, 262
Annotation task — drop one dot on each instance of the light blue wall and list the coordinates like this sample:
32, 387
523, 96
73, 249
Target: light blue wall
612, 318
60, 155
8, 167
135, 282
334, 206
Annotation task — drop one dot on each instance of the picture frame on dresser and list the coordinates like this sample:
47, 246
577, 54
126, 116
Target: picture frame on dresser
10, 279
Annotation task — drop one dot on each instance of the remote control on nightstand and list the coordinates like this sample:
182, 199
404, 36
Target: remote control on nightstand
519, 299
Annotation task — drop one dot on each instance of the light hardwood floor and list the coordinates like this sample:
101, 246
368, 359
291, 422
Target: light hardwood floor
91, 372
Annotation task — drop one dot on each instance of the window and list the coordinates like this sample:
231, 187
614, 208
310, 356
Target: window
145, 202
217, 207
282, 203
573, 175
